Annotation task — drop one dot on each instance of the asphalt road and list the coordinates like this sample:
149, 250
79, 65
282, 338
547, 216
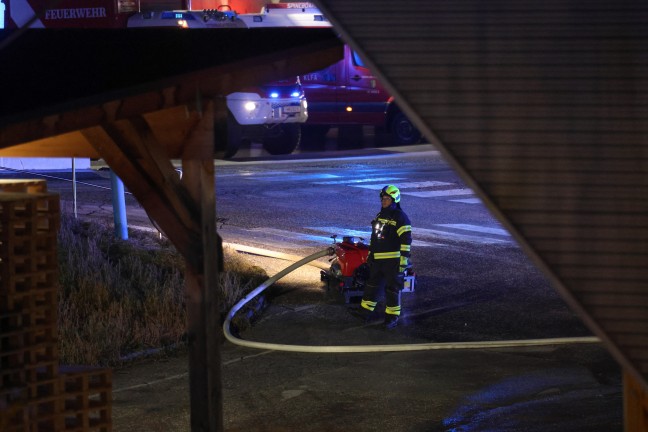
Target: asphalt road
474, 284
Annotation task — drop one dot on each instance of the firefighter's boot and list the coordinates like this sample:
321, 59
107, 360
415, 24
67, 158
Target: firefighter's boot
391, 321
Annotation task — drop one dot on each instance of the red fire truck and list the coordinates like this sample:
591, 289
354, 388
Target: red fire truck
346, 95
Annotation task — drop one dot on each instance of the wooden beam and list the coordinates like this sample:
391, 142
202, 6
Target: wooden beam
170, 126
130, 149
71, 144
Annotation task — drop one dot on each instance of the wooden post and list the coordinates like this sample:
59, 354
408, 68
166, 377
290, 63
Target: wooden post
185, 211
635, 405
203, 290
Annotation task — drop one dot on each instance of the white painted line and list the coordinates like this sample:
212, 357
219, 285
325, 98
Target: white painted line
440, 193
366, 180
423, 184
438, 234
294, 177
293, 235
468, 201
477, 228
401, 186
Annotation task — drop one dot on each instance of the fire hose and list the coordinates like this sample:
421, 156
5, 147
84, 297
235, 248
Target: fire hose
364, 348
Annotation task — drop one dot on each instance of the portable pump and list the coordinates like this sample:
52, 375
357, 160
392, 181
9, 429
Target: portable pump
349, 269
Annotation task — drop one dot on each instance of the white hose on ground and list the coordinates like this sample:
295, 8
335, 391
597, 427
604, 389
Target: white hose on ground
367, 348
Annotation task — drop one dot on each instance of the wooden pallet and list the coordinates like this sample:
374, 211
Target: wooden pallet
36, 394
87, 397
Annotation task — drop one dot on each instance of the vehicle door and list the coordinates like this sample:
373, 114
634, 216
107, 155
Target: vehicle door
365, 100
322, 89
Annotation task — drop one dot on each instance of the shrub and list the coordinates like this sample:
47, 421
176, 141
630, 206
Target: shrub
117, 296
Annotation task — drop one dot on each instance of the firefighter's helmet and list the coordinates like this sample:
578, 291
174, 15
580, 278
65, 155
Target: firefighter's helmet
391, 191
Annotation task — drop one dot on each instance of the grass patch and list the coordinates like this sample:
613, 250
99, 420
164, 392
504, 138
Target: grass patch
117, 297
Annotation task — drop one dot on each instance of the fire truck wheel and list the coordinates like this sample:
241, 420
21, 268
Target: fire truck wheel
403, 131
282, 139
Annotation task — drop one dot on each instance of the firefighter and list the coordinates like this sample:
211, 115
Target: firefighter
389, 256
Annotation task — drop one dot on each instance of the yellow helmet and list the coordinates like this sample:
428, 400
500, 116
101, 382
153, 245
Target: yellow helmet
391, 191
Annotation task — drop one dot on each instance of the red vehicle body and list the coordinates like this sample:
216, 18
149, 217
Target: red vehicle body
345, 95
348, 95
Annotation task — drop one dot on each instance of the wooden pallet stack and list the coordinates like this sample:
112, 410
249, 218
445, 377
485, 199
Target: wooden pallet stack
35, 395
87, 396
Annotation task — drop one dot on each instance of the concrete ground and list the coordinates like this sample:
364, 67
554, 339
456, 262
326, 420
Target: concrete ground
554, 388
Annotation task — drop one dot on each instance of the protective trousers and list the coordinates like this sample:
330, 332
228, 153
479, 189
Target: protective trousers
383, 273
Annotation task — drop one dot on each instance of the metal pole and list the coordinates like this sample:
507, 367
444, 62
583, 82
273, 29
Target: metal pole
74, 189
119, 206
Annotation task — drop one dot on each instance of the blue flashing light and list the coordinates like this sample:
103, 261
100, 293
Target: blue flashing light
274, 95
294, 94
177, 15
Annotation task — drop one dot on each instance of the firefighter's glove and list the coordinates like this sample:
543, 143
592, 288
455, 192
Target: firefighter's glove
404, 264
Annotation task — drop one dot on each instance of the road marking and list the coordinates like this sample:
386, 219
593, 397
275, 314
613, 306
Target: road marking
296, 177
448, 235
372, 183
439, 193
467, 201
401, 186
364, 180
293, 235
478, 228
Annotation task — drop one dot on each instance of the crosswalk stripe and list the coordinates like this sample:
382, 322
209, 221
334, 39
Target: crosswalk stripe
440, 234
439, 193
402, 186
293, 235
478, 228
374, 183
351, 182
467, 200
296, 177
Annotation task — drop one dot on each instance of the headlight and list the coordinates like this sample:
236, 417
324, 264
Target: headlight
250, 106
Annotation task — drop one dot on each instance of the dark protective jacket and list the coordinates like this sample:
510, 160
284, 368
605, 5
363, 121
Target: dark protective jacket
391, 235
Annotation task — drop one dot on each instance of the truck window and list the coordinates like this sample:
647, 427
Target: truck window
357, 61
